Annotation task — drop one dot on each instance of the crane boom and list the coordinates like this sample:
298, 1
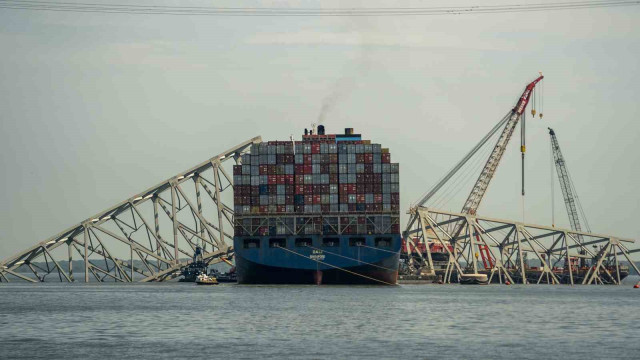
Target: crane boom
570, 199
569, 194
489, 169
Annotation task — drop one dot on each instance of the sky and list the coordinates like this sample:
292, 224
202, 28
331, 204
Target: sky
97, 107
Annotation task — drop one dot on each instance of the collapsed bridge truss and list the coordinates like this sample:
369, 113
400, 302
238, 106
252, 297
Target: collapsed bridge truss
502, 249
148, 237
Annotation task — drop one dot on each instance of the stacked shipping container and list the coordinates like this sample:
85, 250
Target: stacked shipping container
282, 187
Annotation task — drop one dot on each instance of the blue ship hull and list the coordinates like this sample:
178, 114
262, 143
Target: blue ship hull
260, 260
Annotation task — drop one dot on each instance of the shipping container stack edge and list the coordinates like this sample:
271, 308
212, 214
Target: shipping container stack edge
325, 184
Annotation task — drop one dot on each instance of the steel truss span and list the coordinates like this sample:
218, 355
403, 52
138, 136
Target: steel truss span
505, 249
148, 237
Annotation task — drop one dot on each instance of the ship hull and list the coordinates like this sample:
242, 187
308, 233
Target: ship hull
315, 264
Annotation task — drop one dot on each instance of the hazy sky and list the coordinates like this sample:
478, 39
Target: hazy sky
97, 107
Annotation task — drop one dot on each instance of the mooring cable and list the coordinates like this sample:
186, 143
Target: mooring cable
354, 259
336, 267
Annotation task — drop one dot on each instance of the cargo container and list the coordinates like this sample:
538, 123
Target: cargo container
321, 210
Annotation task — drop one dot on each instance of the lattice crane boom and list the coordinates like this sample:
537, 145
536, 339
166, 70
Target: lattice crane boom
489, 169
569, 196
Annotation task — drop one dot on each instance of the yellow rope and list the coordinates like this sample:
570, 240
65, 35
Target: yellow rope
336, 267
350, 258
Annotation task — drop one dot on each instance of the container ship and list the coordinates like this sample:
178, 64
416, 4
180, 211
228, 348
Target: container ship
323, 210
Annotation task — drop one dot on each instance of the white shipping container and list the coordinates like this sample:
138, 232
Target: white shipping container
255, 180
299, 158
333, 188
359, 168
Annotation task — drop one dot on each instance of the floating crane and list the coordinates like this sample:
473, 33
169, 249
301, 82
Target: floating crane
569, 193
508, 124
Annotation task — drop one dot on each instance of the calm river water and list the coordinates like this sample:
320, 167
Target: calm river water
175, 320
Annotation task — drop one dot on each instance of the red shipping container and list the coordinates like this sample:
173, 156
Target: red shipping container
333, 158
359, 158
368, 158
307, 159
299, 189
264, 170
237, 169
300, 179
377, 198
352, 188
386, 158
282, 208
344, 198
308, 169
264, 208
308, 199
299, 169
315, 148
308, 189
344, 188
317, 199
360, 198
281, 179
289, 180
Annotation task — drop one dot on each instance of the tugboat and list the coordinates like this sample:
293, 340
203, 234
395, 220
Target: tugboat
204, 279
195, 268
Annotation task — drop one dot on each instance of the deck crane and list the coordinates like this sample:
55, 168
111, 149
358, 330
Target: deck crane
569, 193
509, 121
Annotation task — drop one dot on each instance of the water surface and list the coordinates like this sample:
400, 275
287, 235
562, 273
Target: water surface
176, 320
